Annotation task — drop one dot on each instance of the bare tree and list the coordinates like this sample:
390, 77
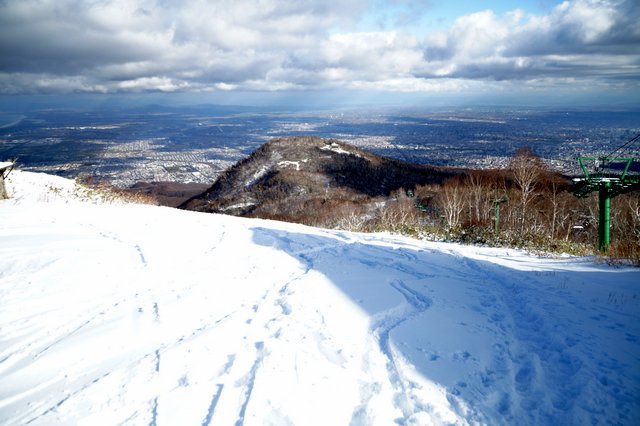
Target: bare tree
452, 202
633, 204
477, 188
556, 194
526, 169
625, 220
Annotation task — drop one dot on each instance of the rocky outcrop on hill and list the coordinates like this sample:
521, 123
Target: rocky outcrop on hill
292, 178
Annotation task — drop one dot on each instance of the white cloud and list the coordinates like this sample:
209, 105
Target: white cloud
162, 84
199, 45
412, 84
577, 39
382, 54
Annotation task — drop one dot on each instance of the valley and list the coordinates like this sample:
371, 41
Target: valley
195, 144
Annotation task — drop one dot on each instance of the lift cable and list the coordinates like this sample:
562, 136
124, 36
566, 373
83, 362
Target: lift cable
624, 146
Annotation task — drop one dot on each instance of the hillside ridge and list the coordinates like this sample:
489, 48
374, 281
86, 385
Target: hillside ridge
286, 178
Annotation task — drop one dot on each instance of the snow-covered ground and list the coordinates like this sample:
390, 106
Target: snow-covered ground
122, 313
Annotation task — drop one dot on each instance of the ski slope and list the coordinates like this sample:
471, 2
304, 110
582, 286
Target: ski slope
114, 313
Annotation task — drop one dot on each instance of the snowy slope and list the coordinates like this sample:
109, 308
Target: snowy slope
137, 314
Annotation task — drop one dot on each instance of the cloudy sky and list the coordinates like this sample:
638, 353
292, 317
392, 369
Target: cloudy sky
217, 49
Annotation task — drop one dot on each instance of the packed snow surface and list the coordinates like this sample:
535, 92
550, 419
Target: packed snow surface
134, 314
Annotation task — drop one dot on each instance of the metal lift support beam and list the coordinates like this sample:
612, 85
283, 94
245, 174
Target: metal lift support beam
608, 186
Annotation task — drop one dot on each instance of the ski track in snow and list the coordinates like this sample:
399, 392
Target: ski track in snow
212, 406
535, 363
543, 364
413, 304
202, 319
417, 303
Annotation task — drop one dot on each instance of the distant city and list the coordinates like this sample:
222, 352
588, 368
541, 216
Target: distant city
195, 144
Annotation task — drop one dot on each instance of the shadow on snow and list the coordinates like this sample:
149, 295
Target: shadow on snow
550, 345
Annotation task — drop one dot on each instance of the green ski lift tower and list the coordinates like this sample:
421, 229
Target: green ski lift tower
610, 175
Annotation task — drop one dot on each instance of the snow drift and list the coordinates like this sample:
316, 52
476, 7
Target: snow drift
120, 313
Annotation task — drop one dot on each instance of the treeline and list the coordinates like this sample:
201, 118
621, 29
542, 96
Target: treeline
525, 205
